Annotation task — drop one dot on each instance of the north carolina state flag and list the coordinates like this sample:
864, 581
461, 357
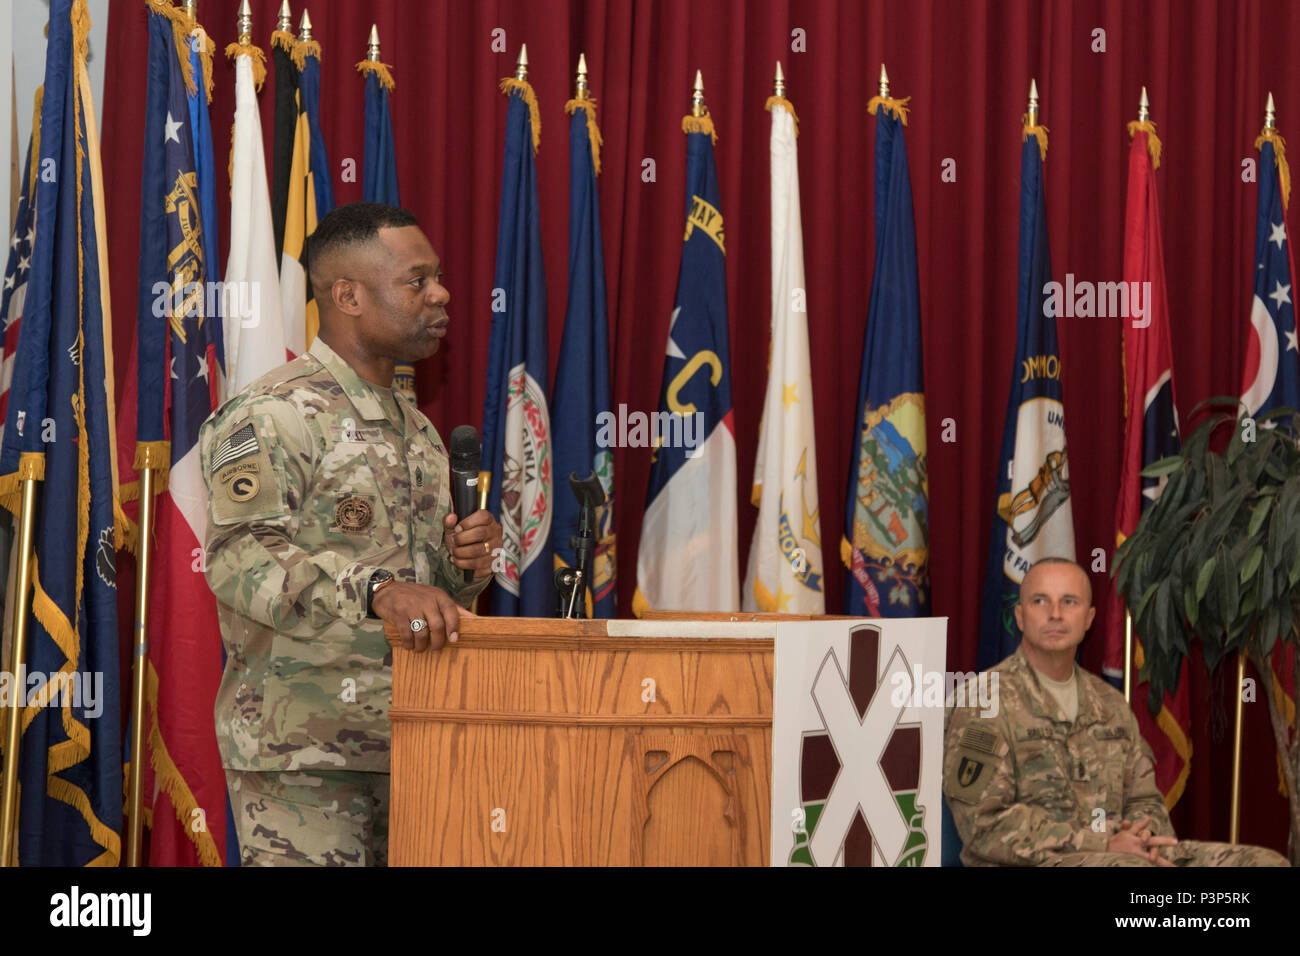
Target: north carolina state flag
1150, 433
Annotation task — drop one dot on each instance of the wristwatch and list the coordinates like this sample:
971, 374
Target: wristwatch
378, 581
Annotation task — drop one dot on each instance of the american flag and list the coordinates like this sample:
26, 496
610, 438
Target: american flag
15, 289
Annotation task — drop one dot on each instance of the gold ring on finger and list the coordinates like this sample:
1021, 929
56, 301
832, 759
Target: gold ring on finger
487, 548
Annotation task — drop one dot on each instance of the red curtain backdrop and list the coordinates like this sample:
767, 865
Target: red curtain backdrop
966, 65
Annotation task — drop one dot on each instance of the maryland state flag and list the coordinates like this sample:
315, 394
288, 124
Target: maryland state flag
1032, 518
516, 417
582, 394
1272, 369
59, 428
687, 560
175, 390
294, 207
379, 177
886, 541
1150, 433
785, 557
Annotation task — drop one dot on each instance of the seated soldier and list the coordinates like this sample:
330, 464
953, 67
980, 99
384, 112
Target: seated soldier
1059, 775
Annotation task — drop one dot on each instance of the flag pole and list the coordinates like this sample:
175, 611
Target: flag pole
21, 609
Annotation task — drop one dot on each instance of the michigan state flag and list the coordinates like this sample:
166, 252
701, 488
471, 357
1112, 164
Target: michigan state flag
687, 559
887, 515
516, 417
59, 428
582, 402
1032, 518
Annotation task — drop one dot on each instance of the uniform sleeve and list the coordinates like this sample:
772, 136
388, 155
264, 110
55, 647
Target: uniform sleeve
979, 782
452, 579
256, 459
1141, 793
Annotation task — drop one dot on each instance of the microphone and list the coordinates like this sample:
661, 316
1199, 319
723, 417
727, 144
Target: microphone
466, 452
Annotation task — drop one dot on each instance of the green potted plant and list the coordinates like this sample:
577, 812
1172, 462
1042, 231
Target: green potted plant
1217, 557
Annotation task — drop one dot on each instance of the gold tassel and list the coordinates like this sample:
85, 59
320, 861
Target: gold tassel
588, 106
36, 146
1283, 168
896, 108
700, 124
1154, 145
381, 70
1038, 132
789, 108
284, 40
511, 85
255, 54
181, 26
300, 51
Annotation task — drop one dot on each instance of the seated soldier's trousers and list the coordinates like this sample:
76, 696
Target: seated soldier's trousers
310, 817
1186, 853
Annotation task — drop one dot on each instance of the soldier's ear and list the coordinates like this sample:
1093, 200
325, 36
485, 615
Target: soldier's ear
344, 292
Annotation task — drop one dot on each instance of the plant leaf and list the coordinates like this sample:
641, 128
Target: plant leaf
1251, 564
1165, 466
1203, 576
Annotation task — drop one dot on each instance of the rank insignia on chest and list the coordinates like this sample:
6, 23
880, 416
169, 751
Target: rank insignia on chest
353, 513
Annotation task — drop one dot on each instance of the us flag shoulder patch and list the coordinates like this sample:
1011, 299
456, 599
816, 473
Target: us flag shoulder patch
983, 741
236, 445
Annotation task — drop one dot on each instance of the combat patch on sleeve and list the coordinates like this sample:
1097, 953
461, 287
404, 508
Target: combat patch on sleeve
970, 769
244, 483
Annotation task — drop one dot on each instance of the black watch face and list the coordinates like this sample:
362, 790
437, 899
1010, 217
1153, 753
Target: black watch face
379, 577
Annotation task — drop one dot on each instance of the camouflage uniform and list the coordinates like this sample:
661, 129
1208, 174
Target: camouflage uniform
315, 479
1024, 784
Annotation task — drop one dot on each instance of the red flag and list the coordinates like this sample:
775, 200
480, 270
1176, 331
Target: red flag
1150, 433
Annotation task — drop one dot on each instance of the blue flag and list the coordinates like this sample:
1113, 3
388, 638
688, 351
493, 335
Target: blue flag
582, 401
60, 422
1272, 367
320, 161
516, 417
201, 47
687, 558
887, 515
1032, 518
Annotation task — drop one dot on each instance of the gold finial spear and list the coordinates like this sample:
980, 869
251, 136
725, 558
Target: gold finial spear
284, 22
778, 84
190, 9
1144, 107
884, 83
1033, 103
244, 24
1269, 122
697, 96
372, 45
304, 27
580, 85
521, 65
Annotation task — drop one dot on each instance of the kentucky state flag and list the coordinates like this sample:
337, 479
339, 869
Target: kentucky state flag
59, 428
687, 560
1032, 518
582, 391
886, 542
516, 418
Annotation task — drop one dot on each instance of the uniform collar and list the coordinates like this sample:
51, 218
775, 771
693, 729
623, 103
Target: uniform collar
1092, 710
357, 389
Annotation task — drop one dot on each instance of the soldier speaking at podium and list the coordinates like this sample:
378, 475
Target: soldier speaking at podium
329, 514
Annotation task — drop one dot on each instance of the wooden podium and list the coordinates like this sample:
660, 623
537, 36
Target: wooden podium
539, 742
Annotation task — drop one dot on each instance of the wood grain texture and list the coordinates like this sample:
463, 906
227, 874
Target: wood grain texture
530, 743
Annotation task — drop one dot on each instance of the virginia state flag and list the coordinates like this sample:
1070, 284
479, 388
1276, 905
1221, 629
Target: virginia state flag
1032, 518
379, 177
516, 418
688, 558
886, 540
582, 401
174, 392
60, 428
1150, 433
785, 557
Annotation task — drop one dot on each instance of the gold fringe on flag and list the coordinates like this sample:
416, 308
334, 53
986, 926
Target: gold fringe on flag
588, 106
181, 27
284, 40
31, 464
1038, 132
896, 108
36, 145
301, 48
255, 54
789, 108
200, 36
510, 85
700, 124
1283, 169
381, 70
1154, 145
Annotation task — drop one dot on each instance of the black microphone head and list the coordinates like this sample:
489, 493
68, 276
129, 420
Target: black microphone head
466, 451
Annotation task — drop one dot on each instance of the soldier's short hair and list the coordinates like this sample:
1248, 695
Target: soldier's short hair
354, 224
1059, 560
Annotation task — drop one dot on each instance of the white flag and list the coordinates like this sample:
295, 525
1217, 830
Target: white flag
254, 332
785, 557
